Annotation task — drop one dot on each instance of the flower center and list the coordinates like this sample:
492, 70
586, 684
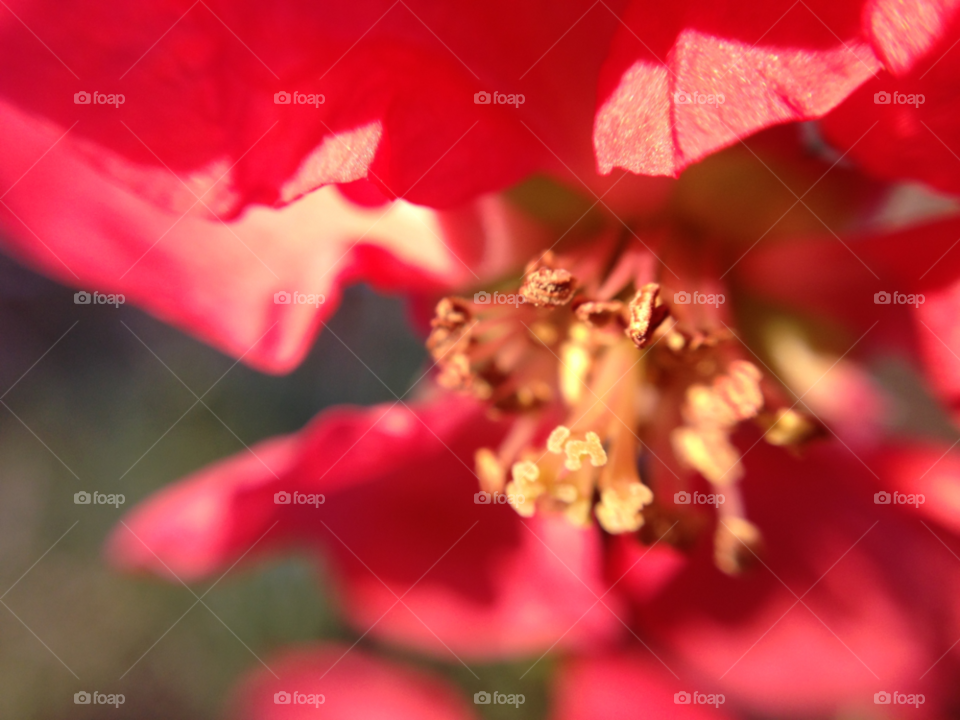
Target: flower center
602, 376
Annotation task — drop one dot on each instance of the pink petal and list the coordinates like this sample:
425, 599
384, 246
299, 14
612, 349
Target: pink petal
217, 279
400, 522
858, 629
353, 684
622, 687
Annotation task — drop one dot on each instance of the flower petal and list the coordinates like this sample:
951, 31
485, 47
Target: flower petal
416, 560
219, 279
623, 687
687, 79
826, 621
352, 684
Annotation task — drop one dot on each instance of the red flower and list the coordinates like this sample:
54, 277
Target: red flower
419, 562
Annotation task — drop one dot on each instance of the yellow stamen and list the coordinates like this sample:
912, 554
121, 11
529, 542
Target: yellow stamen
576, 449
557, 438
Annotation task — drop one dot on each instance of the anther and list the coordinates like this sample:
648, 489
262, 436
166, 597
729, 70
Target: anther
592, 447
646, 313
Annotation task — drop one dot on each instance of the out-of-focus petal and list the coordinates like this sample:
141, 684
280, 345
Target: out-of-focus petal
337, 682
219, 280
876, 595
623, 687
416, 559
904, 126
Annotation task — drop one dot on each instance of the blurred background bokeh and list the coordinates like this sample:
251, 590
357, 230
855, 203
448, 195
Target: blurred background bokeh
100, 412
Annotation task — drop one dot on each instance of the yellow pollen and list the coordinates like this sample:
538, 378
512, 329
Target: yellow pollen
525, 472
557, 438
619, 509
740, 389
789, 428
736, 545
489, 470
576, 449
565, 492
709, 451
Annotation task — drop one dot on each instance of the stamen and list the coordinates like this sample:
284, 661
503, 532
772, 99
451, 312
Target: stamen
740, 389
599, 314
736, 545
489, 470
619, 509
647, 312
592, 447
709, 452
557, 438
789, 428
546, 286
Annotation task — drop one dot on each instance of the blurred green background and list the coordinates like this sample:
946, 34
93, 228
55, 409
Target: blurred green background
99, 407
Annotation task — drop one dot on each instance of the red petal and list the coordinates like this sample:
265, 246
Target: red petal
840, 279
353, 684
218, 279
771, 63
626, 687
400, 521
857, 632
930, 471
915, 134
398, 82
